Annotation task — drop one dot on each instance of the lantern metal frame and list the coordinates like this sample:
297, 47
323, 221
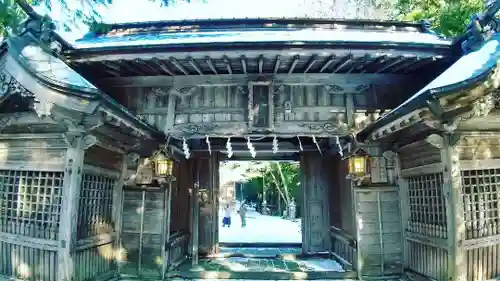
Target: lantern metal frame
162, 161
359, 176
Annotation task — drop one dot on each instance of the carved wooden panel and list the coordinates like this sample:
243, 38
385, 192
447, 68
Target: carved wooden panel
260, 106
378, 170
100, 157
310, 109
32, 153
418, 154
240, 109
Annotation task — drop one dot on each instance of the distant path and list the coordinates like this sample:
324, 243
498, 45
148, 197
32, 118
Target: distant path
259, 229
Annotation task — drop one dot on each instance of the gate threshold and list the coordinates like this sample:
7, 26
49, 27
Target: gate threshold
259, 245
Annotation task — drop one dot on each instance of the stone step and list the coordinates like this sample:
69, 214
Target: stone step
264, 275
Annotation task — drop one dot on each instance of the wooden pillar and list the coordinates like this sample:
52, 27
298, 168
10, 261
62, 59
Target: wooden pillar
118, 211
316, 222
69, 208
195, 215
454, 207
167, 227
404, 203
208, 175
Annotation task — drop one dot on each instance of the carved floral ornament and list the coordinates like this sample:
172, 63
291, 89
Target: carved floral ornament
10, 86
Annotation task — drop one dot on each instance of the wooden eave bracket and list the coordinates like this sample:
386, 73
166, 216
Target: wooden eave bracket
62, 107
108, 117
422, 115
480, 98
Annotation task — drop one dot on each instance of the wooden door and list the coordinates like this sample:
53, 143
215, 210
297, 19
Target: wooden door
315, 215
208, 204
143, 223
379, 232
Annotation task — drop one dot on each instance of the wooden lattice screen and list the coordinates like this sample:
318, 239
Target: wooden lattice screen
481, 194
427, 209
96, 205
481, 198
30, 203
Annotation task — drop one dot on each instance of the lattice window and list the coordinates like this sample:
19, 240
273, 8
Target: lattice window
481, 194
96, 205
427, 209
30, 202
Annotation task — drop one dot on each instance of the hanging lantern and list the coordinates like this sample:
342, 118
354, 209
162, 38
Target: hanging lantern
163, 165
359, 163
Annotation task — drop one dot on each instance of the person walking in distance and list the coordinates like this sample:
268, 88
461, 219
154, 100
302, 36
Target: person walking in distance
227, 216
243, 213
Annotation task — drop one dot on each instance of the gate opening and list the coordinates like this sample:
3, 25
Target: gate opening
259, 206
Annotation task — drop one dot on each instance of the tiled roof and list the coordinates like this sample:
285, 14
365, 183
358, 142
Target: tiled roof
468, 70
259, 31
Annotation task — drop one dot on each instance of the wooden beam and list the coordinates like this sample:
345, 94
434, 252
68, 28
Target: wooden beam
340, 65
163, 66
228, 64
193, 64
242, 79
277, 64
296, 60
261, 63
29, 242
358, 63
327, 63
244, 64
146, 64
311, 63
208, 60
395, 61
178, 65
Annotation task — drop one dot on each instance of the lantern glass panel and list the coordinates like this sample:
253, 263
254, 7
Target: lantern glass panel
357, 165
163, 167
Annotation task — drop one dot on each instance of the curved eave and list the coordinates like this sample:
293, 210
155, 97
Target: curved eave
270, 22
267, 34
469, 71
237, 46
105, 102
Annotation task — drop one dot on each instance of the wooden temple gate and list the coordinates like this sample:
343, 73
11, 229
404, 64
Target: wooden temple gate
74, 206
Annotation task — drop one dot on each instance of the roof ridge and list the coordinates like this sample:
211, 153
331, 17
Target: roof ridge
265, 22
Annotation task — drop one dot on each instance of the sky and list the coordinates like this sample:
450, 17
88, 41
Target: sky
121, 11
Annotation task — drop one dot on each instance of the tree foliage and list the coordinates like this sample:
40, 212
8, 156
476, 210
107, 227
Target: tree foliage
281, 182
11, 16
449, 18
74, 13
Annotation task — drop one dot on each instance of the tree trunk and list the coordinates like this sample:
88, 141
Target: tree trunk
285, 185
285, 195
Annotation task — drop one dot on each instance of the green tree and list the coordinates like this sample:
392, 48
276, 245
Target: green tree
75, 13
280, 180
449, 18
11, 16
